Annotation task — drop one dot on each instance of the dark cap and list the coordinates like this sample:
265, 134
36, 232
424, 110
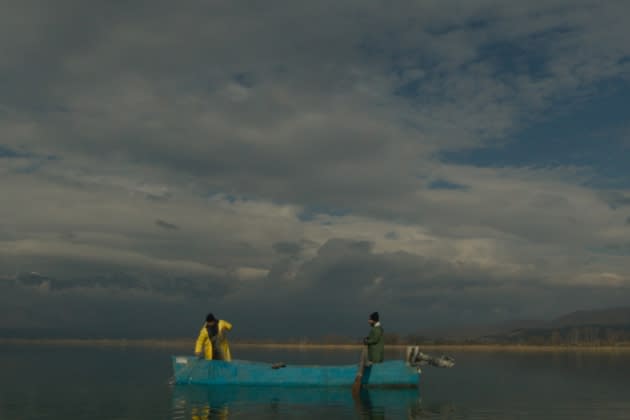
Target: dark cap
374, 316
210, 318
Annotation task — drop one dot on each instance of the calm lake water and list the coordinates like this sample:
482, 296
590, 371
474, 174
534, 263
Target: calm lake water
91, 383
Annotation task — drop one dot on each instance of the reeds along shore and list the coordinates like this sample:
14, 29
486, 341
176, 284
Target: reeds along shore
185, 345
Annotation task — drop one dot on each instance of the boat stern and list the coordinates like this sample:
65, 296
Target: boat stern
184, 368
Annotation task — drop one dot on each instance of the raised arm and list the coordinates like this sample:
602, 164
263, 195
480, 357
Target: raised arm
225, 326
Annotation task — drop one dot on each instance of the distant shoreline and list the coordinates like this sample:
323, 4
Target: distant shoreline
188, 344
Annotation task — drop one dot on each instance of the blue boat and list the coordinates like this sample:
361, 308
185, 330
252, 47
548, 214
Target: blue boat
190, 370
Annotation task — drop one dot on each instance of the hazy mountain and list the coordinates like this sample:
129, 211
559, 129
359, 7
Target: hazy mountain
603, 326
473, 331
600, 317
612, 316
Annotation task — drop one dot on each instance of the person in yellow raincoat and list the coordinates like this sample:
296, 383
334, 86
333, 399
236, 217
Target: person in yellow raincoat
212, 342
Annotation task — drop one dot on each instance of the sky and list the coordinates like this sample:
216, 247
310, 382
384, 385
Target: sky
293, 166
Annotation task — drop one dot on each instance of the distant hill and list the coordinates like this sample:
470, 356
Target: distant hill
613, 316
473, 331
518, 329
594, 327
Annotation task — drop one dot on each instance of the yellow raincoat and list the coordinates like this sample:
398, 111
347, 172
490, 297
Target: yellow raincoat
205, 345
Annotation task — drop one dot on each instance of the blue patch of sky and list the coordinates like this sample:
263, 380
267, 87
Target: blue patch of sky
410, 89
244, 79
442, 184
29, 162
514, 58
382, 47
590, 134
34, 165
8, 153
526, 55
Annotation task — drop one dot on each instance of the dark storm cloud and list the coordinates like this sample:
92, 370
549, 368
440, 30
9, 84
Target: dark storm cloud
287, 248
303, 145
31, 313
166, 225
340, 285
91, 276
347, 265
139, 70
347, 280
392, 235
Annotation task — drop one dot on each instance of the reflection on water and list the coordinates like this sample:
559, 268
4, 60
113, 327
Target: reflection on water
214, 402
483, 386
40, 382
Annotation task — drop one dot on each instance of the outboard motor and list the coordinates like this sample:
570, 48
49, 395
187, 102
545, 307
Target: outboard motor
416, 358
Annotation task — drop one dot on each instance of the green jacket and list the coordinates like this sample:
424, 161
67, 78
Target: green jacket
375, 344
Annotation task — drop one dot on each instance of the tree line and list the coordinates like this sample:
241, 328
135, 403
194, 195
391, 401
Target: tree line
590, 335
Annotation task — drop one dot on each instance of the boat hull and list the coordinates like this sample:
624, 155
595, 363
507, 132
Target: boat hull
190, 370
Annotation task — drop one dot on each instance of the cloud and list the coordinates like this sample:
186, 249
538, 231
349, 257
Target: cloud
7, 153
440, 184
166, 225
288, 248
246, 156
616, 199
392, 235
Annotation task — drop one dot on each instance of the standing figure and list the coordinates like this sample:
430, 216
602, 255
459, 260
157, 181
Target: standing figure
212, 343
375, 341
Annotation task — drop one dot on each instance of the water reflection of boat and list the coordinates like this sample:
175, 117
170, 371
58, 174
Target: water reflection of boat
190, 370
206, 402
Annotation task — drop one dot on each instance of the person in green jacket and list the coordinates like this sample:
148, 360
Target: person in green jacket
374, 341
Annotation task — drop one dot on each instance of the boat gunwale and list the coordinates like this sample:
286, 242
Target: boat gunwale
349, 370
